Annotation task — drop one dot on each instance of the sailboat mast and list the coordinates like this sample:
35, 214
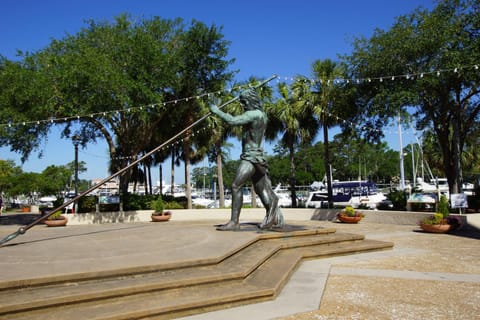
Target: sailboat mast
402, 170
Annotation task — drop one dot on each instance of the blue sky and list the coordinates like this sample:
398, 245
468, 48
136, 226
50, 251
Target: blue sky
267, 37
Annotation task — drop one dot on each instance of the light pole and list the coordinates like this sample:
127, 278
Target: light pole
76, 141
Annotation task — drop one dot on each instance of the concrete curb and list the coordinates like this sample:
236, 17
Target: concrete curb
257, 214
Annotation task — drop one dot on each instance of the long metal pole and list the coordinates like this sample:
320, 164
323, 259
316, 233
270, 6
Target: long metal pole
402, 170
25, 228
75, 205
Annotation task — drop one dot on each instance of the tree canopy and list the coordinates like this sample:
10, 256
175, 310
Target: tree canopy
427, 65
111, 80
134, 83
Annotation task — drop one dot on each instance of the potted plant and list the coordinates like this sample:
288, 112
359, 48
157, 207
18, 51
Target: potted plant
56, 220
440, 221
350, 215
159, 214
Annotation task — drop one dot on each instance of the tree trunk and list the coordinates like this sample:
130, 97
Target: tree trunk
172, 170
221, 188
293, 182
456, 185
188, 188
160, 174
451, 151
148, 180
327, 165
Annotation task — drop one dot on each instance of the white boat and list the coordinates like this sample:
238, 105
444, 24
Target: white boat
349, 193
439, 185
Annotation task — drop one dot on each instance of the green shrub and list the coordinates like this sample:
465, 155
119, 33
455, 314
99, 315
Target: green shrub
435, 218
56, 215
399, 199
87, 204
132, 202
349, 211
173, 205
442, 206
157, 205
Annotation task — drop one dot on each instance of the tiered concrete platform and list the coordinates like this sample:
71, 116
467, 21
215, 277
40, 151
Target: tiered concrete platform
185, 268
153, 270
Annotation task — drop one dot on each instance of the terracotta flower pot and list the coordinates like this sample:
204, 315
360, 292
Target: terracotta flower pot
348, 219
161, 217
59, 222
436, 228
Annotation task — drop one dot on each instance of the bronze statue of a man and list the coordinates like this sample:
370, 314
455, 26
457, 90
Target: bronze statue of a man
253, 165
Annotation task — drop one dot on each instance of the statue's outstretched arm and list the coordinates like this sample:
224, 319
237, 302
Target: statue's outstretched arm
242, 119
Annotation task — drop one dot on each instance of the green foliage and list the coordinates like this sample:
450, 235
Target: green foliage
436, 218
7, 171
399, 199
349, 211
442, 206
87, 204
53, 180
24, 183
133, 202
173, 205
445, 38
55, 215
157, 205
127, 63
24, 93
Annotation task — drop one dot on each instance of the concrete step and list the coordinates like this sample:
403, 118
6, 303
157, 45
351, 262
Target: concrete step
252, 273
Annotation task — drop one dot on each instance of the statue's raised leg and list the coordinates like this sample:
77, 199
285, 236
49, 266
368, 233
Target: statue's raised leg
274, 216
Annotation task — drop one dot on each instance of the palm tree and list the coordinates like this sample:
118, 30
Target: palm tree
326, 98
292, 118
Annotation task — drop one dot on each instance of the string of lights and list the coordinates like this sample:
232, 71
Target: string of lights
408, 76
118, 111
411, 76
279, 79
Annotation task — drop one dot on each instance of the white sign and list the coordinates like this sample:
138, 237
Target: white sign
459, 200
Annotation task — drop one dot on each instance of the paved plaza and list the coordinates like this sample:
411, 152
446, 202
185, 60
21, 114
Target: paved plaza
425, 276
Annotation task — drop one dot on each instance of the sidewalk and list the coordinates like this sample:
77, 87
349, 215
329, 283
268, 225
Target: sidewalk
425, 276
